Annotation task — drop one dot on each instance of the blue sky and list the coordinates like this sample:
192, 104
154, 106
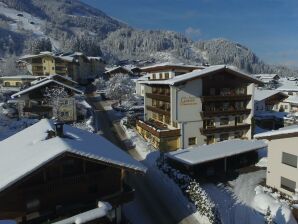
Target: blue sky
268, 27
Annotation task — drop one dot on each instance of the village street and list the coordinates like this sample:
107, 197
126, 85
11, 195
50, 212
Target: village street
149, 202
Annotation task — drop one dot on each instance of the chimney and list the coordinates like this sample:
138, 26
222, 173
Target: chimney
59, 129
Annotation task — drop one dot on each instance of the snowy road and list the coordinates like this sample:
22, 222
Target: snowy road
149, 206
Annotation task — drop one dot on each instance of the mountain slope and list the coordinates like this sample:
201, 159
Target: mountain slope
72, 25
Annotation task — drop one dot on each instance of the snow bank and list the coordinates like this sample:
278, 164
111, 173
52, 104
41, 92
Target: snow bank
280, 210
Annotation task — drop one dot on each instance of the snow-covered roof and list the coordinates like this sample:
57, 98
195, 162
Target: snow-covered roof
29, 149
45, 82
206, 153
280, 132
101, 211
264, 94
20, 77
144, 77
202, 72
168, 64
266, 76
108, 70
291, 100
54, 76
288, 86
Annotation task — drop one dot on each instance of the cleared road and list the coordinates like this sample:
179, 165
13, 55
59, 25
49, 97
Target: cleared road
157, 210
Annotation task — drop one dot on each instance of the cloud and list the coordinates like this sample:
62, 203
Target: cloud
194, 33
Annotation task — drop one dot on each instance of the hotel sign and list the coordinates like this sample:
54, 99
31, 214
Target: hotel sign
188, 100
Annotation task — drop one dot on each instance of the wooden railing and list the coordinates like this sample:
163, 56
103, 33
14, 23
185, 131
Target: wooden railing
225, 98
212, 130
161, 97
158, 110
225, 112
158, 132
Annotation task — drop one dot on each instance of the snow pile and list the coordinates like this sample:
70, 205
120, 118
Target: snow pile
262, 162
280, 209
192, 190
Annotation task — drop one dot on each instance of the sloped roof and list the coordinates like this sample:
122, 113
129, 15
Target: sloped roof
282, 132
28, 150
204, 72
167, 65
206, 153
264, 94
292, 100
54, 76
43, 83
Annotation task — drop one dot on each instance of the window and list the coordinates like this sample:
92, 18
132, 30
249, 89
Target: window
175, 124
223, 137
287, 184
53, 68
153, 76
238, 134
212, 91
209, 123
167, 75
192, 141
239, 119
286, 107
64, 114
289, 159
44, 68
224, 121
160, 76
167, 119
210, 139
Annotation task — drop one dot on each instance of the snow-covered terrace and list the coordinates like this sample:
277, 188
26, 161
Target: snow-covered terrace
206, 153
30, 149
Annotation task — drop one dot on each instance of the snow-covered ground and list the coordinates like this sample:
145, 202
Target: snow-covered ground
26, 22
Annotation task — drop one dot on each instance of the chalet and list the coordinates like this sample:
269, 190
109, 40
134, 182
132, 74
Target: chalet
54, 173
216, 159
269, 80
77, 66
33, 102
270, 100
17, 81
282, 172
201, 107
118, 70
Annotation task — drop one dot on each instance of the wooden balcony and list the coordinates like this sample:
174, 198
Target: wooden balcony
161, 97
225, 112
225, 98
212, 130
158, 110
157, 130
37, 108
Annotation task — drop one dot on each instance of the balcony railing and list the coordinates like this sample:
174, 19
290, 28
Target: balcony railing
212, 130
161, 97
221, 112
159, 110
157, 130
225, 98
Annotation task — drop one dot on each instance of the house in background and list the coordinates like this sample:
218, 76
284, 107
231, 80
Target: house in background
110, 72
270, 100
288, 86
33, 102
77, 66
270, 81
282, 171
201, 107
53, 174
216, 159
18, 81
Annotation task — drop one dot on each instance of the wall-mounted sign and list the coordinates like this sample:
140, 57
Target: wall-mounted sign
188, 100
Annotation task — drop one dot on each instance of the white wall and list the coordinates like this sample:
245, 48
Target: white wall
275, 168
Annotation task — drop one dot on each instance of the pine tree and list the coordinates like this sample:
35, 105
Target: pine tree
268, 217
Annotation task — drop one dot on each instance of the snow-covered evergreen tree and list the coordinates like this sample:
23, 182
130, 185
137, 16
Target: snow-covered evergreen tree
54, 96
120, 87
192, 190
268, 217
